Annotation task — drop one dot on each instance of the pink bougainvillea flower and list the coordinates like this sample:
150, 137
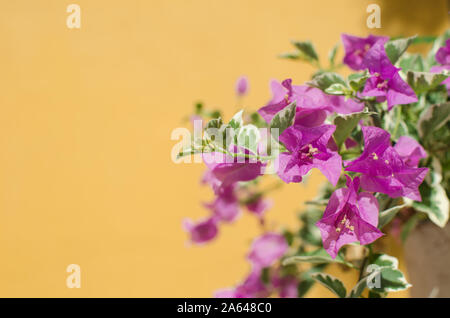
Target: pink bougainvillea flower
259, 206
384, 170
350, 143
443, 57
264, 252
226, 205
251, 287
201, 232
266, 249
254, 287
356, 48
225, 293
342, 106
349, 217
242, 86
440, 69
287, 286
385, 81
229, 170
443, 54
307, 150
410, 151
313, 105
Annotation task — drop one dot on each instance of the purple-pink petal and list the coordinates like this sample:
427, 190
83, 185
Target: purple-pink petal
410, 151
308, 148
259, 206
443, 54
242, 86
356, 48
349, 217
267, 249
201, 232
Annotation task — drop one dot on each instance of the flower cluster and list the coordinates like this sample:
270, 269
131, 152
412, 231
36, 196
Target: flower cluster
265, 251
346, 129
443, 58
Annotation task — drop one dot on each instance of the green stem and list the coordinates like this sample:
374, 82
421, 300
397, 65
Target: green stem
397, 121
375, 118
245, 155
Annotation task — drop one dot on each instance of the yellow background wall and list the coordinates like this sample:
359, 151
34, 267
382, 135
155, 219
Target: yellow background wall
85, 122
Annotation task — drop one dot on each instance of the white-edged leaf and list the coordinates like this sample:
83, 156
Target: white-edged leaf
249, 137
390, 280
332, 283
336, 89
359, 288
325, 80
435, 202
422, 82
319, 256
306, 49
384, 275
284, 118
236, 121
384, 260
395, 48
433, 118
345, 124
387, 215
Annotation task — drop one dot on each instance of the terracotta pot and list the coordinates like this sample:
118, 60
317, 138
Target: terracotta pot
427, 255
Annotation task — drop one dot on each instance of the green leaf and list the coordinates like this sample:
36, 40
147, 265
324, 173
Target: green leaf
377, 295
381, 267
265, 275
422, 82
435, 202
306, 48
395, 48
424, 39
438, 43
332, 54
249, 137
336, 89
412, 62
386, 216
357, 80
304, 286
359, 288
390, 280
394, 122
198, 108
384, 260
384, 274
309, 232
236, 121
432, 118
214, 123
332, 283
325, 80
291, 55
409, 226
284, 118
306, 281
345, 124
319, 256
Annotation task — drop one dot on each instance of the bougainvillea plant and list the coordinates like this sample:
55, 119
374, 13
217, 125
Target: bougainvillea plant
381, 138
